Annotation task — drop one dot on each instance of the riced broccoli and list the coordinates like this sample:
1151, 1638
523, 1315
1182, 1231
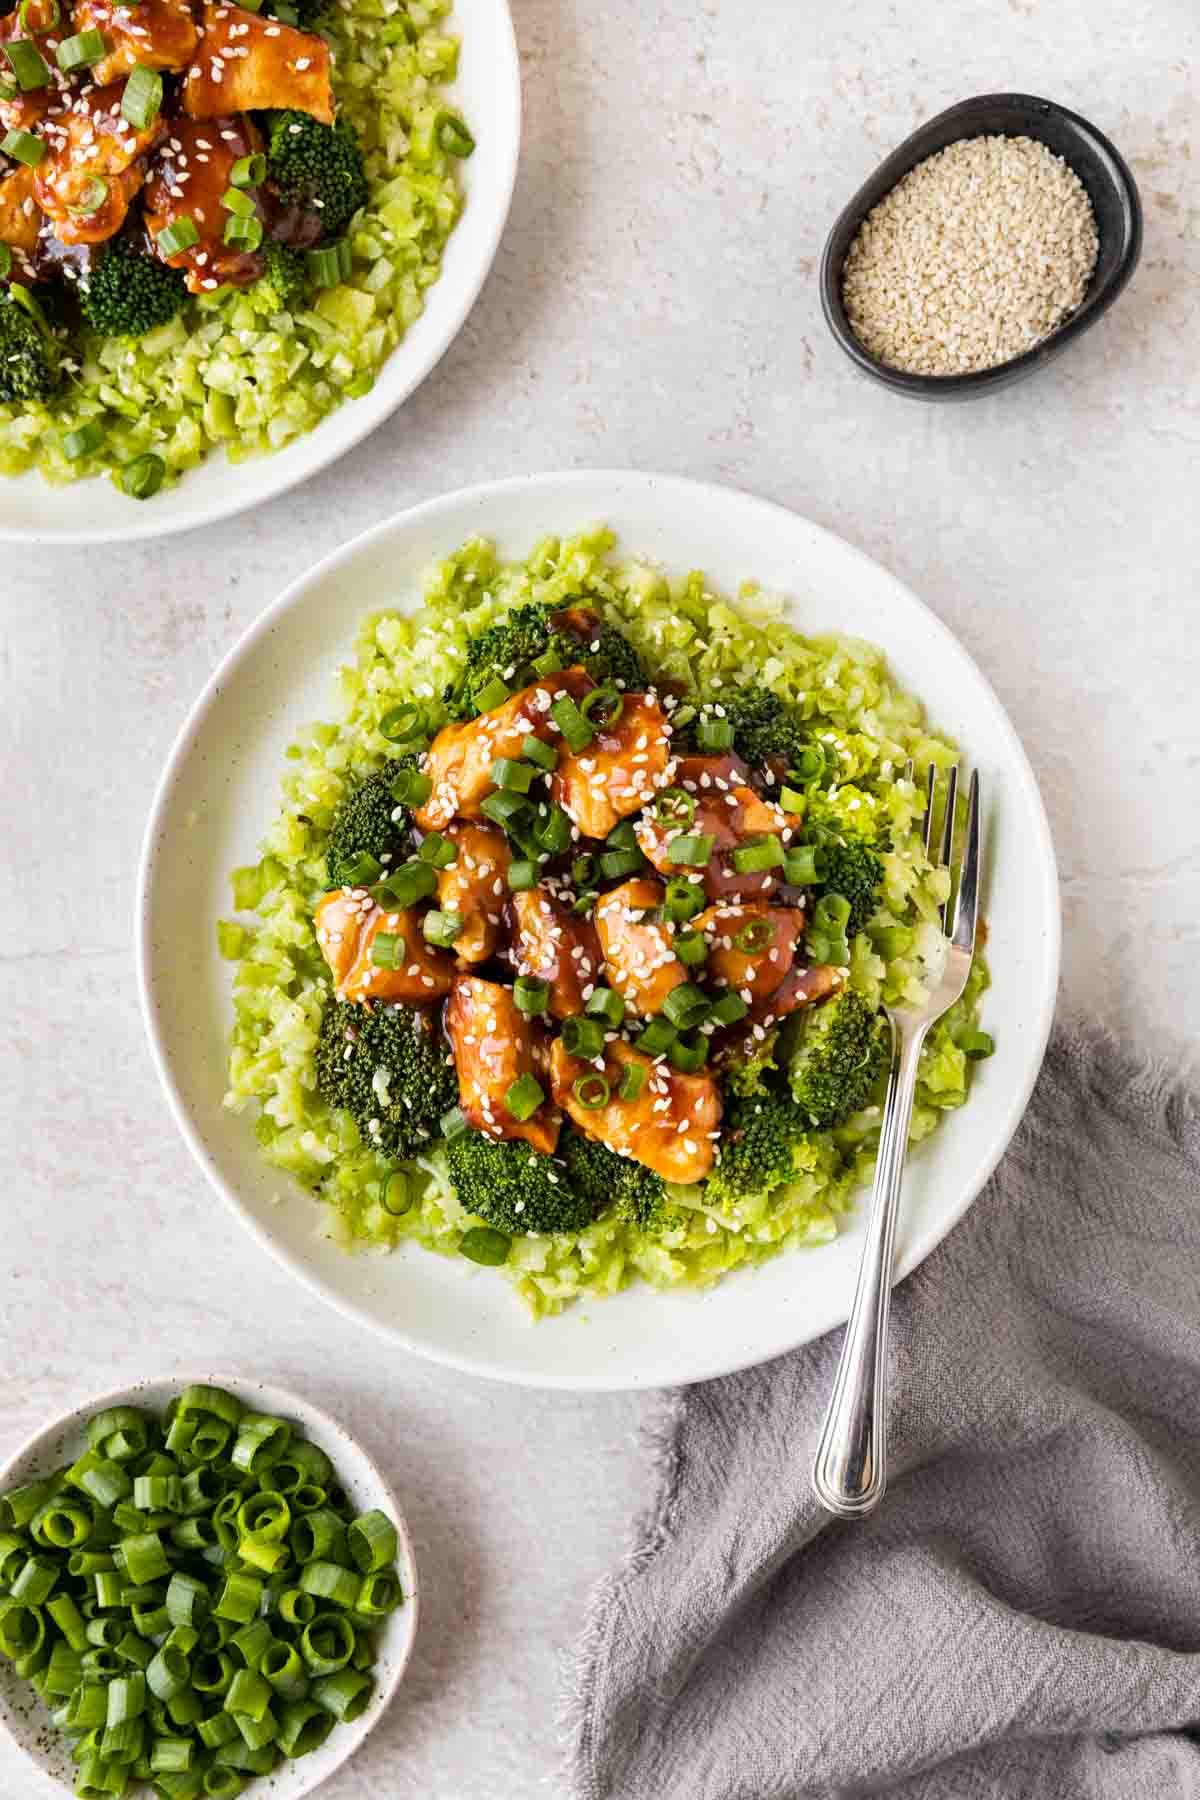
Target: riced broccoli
130, 293
506, 653
369, 822
836, 1055
29, 352
598, 1175
284, 283
386, 1065
759, 1137
513, 1187
318, 166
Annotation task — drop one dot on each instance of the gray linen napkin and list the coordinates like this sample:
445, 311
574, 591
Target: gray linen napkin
1022, 1615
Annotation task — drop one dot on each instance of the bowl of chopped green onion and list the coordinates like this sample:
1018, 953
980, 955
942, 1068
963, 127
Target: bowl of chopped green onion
207, 1589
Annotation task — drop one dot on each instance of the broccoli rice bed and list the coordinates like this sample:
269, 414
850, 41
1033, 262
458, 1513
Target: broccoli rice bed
249, 368
572, 1186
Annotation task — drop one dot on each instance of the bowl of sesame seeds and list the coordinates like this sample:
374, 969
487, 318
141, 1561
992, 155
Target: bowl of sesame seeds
983, 246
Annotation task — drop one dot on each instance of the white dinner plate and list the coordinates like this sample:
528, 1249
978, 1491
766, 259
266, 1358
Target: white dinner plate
220, 788
63, 1439
488, 90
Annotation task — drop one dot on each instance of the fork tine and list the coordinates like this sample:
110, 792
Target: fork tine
930, 797
963, 934
948, 832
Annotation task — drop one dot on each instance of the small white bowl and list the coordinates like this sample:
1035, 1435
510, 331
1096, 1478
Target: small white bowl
26, 1717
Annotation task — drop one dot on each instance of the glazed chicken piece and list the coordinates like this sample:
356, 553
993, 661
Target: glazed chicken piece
620, 770
190, 177
23, 109
95, 156
728, 809
158, 34
637, 951
671, 1123
751, 948
20, 220
475, 887
459, 760
552, 943
800, 987
347, 923
494, 1046
246, 62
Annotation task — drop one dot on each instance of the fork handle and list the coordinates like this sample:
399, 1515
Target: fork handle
850, 1470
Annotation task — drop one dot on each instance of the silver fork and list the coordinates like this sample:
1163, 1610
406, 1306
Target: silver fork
850, 1470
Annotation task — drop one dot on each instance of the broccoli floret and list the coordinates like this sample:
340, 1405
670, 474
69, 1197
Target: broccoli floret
130, 293
284, 282
318, 166
749, 1065
506, 652
600, 1176
847, 824
852, 869
397, 1073
364, 824
760, 1135
29, 354
514, 1187
764, 726
836, 1055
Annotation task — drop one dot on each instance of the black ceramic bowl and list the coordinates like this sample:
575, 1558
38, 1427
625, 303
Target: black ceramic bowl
1103, 172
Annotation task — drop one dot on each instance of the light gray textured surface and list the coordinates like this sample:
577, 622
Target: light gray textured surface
653, 304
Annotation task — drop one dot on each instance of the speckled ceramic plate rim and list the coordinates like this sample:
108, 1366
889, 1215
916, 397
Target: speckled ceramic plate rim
369, 1486
710, 1352
32, 511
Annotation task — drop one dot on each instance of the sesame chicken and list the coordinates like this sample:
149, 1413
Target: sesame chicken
157, 34
475, 887
93, 143
640, 962
729, 810
751, 948
23, 109
671, 1123
554, 945
20, 220
192, 174
619, 772
459, 760
494, 1045
347, 923
246, 62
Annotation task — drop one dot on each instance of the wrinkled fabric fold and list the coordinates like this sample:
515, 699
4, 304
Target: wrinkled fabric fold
1022, 1615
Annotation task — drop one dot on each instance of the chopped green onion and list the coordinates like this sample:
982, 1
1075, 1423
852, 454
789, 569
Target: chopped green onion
27, 63
397, 1195
81, 51
441, 852
243, 234
328, 265
411, 787
142, 478
402, 724
548, 663
792, 800
754, 938
976, 1045
805, 864
92, 196
24, 147
757, 855
615, 863
141, 102
484, 1245
692, 852
686, 1006
603, 707
576, 731
591, 1091
49, 15
657, 1038
522, 875
675, 806
713, 733
442, 928
235, 201
544, 755
502, 807
584, 870
516, 776
177, 237
454, 1123
404, 886
524, 1096
372, 1542
491, 695
684, 900
582, 1037
604, 1004
531, 996
249, 171
553, 830
832, 912
453, 135
691, 947
632, 1081
388, 950
688, 1054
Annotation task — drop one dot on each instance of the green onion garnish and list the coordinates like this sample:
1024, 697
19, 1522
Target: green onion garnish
24, 147
684, 900
388, 950
553, 829
491, 695
243, 234
81, 51
249, 171
530, 995
584, 870
603, 1003
142, 99
402, 724
548, 663
582, 1037
603, 707
363, 870
522, 875
235, 201
544, 755
411, 882
754, 857
713, 733
754, 938
524, 1096
27, 63
483, 1244
518, 777
657, 1037
453, 136
692, 852
688, 1054
792, 800
591, 1091
89, 437
503, 807
454, 1123
729, 1009
976, 1045
329, 265
691, 947
632, 1081
675, 806
832, 912
576, 731
686, 1006
615, 863
441, 852
142, 477
622, 836
397, 1195
804, 865
177, 237
442, 928
411, 787
92, 196
49, 15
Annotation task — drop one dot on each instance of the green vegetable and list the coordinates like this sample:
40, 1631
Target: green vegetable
30, 355
836, 1056
760, 1138
308, 162
526, 634
754, 722
129, 293
365, 823
398, 1073
600, 1178
513, 1187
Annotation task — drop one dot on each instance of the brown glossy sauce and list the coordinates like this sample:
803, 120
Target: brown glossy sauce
191, 175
